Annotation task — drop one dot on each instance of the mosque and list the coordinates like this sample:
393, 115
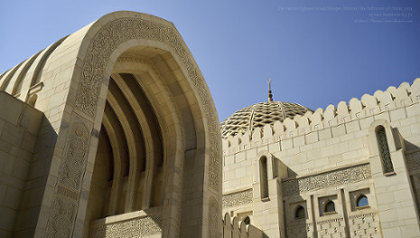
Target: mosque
112, 132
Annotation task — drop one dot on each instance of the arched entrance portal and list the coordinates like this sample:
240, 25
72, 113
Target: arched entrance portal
139, 147
146, 122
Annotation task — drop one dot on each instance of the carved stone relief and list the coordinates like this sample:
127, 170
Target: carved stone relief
364, 225
72, 168
215, 222
238, 198
61, 218
327, 179
331, 228
73, 163
137, 227
63, 210
118, 31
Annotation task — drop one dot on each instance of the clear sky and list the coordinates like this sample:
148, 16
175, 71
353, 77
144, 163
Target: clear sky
317, 52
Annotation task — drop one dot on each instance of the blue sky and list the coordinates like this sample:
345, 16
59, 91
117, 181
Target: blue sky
317, 52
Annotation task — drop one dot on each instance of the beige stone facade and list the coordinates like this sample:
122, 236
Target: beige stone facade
346, 171
112, 132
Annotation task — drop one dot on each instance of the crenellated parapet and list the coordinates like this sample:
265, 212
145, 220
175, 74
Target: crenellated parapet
333, 121
234, 228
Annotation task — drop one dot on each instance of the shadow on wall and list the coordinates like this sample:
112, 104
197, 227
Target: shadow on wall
36, 182
297, 219
412, 161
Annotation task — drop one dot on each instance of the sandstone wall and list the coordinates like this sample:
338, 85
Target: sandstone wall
333, 153
19, 124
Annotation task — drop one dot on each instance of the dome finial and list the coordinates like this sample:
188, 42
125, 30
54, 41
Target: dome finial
270, 95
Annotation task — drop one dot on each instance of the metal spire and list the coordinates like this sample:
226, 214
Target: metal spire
270, 95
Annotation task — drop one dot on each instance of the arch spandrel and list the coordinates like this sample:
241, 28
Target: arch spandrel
100, 44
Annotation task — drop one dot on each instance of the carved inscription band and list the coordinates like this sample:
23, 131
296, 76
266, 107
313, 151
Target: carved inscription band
238, 198
327, 179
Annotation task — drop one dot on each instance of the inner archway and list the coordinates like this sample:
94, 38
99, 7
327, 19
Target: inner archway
147, 119
132, 138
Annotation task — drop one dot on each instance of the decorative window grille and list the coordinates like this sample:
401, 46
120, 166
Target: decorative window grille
263, 178
384, 150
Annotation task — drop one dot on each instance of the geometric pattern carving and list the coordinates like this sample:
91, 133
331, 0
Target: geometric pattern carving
63, 210
60, 221
236, 199
215, 223
259, 115
364, 225
360, 225
331, 228
327, 179
137, 227
71, 169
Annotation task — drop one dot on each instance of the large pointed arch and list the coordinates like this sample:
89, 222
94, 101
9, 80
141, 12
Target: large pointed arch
150, 51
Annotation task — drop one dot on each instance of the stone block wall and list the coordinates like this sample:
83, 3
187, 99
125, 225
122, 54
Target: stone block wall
325, 139
19, 125
343, 187
333, 152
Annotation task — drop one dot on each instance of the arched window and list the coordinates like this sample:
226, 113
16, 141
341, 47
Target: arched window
263, 177
384, 150
362, 201
300, 212
329, 207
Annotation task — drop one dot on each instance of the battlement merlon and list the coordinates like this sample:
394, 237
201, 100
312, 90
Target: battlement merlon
306, 129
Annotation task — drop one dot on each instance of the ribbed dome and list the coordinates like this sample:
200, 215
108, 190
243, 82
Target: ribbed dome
259, 115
